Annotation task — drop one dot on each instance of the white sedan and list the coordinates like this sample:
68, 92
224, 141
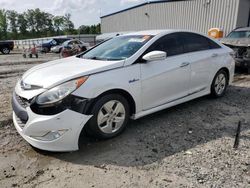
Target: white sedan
81, 44
129, 76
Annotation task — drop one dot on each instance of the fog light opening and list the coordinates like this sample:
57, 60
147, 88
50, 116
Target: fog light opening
50, 136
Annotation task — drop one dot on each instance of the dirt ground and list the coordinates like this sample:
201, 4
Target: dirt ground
190, 145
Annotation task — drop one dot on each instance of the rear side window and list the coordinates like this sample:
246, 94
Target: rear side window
195, 42
171, 44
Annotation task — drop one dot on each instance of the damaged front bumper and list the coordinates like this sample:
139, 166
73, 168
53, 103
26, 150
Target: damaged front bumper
57, 132
242, 62
241, 55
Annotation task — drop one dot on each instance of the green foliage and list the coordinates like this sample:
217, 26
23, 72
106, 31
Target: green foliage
3, 24
35, 23
93, 29
13, 25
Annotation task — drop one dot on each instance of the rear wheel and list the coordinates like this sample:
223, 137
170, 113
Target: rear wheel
219, 84
110, 116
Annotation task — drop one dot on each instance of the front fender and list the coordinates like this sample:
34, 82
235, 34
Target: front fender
125, 78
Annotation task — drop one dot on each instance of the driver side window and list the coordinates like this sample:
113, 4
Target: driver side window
171, 44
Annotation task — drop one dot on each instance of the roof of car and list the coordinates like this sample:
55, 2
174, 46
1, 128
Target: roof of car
243, 29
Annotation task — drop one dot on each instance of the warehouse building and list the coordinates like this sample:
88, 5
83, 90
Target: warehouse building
196, 15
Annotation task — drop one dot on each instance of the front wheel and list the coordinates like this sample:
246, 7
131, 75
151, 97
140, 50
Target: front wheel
110, 116
219, 85
5, 50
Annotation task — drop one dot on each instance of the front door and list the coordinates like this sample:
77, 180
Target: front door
166, 80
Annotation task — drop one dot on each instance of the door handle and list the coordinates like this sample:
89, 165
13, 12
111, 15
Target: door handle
214, 55
185, 64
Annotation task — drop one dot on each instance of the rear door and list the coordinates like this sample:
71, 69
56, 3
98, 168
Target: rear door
203, 56
166, 80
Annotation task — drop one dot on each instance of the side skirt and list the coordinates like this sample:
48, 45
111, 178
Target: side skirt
170, 104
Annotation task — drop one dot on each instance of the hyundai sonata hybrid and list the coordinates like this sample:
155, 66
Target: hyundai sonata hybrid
129, 76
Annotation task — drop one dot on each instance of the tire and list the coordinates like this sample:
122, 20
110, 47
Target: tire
46, 50
5, 50
106, 111
219, 84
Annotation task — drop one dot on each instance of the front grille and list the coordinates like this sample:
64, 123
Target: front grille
22, 101
20, 122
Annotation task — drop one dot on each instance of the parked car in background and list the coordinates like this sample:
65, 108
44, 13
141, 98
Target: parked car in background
128, 76
239, 41
58, 48
46, 46
73, 47
6, 46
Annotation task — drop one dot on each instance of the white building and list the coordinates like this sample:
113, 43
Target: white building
197, 15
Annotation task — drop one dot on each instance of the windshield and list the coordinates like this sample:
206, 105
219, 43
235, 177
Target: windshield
239, 34
118, 48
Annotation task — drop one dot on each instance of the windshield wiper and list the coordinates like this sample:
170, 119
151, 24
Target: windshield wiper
105, 59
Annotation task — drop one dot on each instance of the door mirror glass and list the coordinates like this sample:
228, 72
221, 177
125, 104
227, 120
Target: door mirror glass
155, 56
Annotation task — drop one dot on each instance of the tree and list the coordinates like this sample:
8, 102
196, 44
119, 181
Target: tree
49, 23
98, 28
22, 25
37, 23
68, 24
13, 25
31, 22
83, 29
58, 22
3, 24
93, 29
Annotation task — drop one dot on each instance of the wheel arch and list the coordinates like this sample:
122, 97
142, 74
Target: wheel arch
227, 72
122, 92
3, 47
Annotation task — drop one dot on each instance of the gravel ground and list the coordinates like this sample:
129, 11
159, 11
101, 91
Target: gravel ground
190, 145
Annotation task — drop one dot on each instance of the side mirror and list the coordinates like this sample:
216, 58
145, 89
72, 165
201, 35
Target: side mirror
155, 56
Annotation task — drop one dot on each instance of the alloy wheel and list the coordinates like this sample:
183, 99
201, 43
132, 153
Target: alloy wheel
111, 116
6, 50
220, 84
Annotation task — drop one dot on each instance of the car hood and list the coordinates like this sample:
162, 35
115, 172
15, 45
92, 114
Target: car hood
55, 72
244, 42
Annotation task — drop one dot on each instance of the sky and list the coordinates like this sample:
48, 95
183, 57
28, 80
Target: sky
84, 12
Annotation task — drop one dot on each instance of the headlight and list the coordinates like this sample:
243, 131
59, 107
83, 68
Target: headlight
59, 92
